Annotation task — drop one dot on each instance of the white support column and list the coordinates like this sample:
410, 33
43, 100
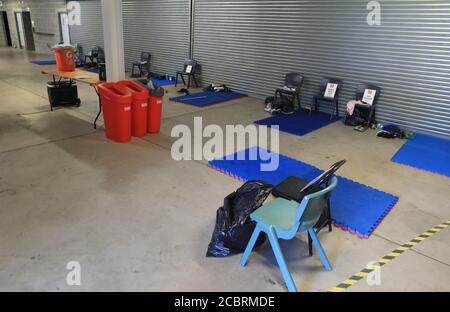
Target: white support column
113, 37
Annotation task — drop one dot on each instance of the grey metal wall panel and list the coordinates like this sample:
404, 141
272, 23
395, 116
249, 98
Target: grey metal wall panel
90, 33
251, 44
161, 27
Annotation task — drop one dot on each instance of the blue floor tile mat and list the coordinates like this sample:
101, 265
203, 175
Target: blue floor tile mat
206, 98
355, 207
91, 70
299, 123
46, 62
160, 82
427, 153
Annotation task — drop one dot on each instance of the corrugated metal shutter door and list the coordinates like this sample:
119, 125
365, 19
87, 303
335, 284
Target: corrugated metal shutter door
161, 27
250, 45
90, 33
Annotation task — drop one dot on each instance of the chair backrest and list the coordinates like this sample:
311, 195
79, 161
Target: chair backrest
190, 62
94, 51
78, 48
324, 178
146, 56
324, 83
293, 80
361, 89
312, 206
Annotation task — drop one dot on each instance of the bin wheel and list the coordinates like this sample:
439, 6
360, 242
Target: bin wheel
78, 103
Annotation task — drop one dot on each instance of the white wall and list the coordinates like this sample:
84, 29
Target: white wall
44, 14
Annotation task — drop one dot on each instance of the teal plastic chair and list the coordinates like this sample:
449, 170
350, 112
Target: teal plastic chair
282, 219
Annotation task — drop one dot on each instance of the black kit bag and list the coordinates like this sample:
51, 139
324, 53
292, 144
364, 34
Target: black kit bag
356, 119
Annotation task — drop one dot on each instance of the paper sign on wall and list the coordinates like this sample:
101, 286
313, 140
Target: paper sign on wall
330, 91
189, 69
369, 96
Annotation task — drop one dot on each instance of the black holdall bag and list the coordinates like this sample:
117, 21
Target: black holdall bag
62, 93
357, 119
276, 105
217, 88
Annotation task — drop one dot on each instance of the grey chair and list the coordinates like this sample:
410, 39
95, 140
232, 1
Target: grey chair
143, 64
94, 55
294, 82
192, 64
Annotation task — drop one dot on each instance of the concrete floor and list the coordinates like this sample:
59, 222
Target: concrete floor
137, 220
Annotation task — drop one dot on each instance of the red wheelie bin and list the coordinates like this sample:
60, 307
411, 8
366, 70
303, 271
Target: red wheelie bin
139, 107
116, 103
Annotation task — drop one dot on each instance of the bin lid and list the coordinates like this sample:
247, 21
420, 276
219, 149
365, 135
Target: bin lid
62, 46
116, 93
138, 91
157, 92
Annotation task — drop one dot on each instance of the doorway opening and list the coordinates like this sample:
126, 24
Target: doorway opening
64, 28
25, 30
6, 28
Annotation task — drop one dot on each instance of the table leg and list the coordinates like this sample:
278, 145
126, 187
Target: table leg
99, 107
54, 84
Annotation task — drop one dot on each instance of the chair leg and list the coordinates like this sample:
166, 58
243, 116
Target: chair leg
281, 262
332, 111
299, 103
195, 81
182, 78
330, 222
189, 81
250, 245
310, 245
319, 248
314, 105
337, 108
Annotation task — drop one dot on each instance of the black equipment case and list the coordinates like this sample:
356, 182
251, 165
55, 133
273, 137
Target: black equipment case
62, 93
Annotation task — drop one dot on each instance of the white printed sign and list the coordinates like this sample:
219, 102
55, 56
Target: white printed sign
369, 96
189, 69
330, 91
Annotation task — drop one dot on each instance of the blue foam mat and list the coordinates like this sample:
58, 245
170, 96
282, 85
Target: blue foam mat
45, 62
427, 153
354, 207
91, 70
299, 123
206, 98
160, 82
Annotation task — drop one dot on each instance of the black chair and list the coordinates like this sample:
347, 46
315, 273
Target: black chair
294, 82
93, 56
190, 70
79, 56
294, 188
321, 96
142, 64
368, 111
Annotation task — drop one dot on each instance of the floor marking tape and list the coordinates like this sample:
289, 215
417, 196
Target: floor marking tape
388, 258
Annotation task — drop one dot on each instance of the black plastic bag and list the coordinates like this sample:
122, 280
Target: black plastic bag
233, 228
356, 119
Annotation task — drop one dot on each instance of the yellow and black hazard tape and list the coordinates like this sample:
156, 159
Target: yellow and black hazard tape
388, 258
